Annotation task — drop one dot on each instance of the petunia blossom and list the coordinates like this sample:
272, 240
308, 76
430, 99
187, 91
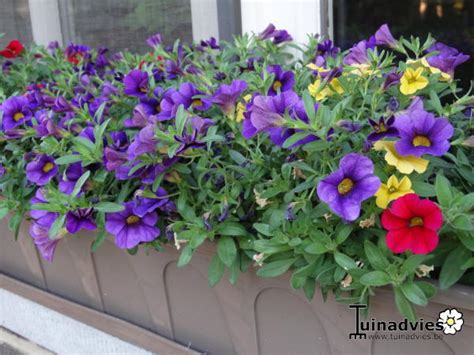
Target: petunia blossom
345, 189
423, 133
412, 224
129, 229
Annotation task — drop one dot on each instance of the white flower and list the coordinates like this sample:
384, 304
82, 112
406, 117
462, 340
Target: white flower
258, 258
451, 320
424, 270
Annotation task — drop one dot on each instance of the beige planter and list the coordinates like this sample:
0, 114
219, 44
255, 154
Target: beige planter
257, 316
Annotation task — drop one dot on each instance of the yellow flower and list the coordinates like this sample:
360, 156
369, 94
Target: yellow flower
412, 81
313, 66
404, 164
362, 70
240, 109
423, 63
328, 89
392, 190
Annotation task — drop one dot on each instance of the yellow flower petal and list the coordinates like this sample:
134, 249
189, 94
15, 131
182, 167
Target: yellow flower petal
404, 164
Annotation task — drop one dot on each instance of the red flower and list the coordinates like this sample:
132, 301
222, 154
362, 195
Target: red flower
13, 49
412, 224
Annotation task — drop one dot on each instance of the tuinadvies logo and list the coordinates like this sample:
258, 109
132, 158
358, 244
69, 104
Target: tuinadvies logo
450, 321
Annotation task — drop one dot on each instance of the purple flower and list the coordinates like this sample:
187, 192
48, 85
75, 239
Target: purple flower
350, 126
145, 142
129, 229
68, 180
46, 126
267, 32
2, 170
39, 229
278, 36
154, 41
226, 96
187, 95
446, 59
422, 133
283, 81
136, 83
390, 80
41, 170
345, 189
144, 205
267, 114
43, 242
393, 104
382, 129
15, 112
74, 53
82, 218
211, 43
384, 37
327, 49
358, 53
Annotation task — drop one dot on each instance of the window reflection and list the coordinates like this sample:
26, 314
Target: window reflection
450, 21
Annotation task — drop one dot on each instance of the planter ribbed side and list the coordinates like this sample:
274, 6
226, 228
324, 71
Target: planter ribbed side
256, 316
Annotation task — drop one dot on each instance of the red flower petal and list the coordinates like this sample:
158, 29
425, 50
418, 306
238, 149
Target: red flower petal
392, 222
402, 206
423, 240
398, 240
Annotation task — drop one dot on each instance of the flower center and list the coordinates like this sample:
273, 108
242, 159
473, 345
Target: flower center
345, 186
158, 108
196, 102
48, 167
133, 219
277, 85
18, 116
144, 89
392, 190
450, 321
421, 141
416, 221
381, 128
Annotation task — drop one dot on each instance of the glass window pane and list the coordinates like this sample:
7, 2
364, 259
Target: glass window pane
15, 21
450, 22
122, 24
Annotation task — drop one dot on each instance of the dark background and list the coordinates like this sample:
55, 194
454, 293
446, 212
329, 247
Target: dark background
449, 21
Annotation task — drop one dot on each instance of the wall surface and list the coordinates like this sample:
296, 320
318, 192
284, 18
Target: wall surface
257, 316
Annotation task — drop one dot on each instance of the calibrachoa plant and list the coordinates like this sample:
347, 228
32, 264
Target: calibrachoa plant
350, 169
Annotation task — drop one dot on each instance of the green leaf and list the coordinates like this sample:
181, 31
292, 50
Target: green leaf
294, 138
375, 278
101, 237
68, 159
343, 232
428, 289
468, 264
423, 189
344, 261
185, 256
275, 268
451, 271
414, 293
180, 120
462, 222
80, 182
411, 263
231, 228
109, 207
263, 229
404, 306
375, 256
56, 227
309, 106
443, 190
3, 212
226, 250
215, 271
316, 248
309, 288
